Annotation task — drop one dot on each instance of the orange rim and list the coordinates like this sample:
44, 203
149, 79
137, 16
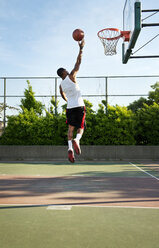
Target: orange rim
111, 29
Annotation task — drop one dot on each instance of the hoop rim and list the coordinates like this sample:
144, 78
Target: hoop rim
111, 29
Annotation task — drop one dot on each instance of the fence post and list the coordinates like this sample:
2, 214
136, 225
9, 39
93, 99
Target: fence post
4, 118
106, 95
55, 96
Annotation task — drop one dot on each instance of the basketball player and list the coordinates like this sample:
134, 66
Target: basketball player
75, 112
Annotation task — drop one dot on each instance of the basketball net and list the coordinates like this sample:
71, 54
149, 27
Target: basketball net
109, 38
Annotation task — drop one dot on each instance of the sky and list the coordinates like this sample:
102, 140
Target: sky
36, 38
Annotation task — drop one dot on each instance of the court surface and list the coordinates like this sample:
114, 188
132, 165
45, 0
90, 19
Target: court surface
86, 204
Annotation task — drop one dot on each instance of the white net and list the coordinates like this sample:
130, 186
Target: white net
109, 39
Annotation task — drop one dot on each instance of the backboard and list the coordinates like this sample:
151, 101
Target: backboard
132, 23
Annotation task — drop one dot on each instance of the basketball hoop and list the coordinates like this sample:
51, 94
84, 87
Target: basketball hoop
109, 38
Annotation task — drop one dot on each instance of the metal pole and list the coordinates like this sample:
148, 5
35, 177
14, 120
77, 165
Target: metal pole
106, 95
150, 24
4, 118
55, 96
150, 10
145, 57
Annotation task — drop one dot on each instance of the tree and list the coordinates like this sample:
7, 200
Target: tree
88, 106
2, 108
29, 102
64, 107
138, 104
119, 126
153, 96
147, 125
115, 128
54, 106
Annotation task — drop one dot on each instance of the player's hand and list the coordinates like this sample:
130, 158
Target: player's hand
81, 43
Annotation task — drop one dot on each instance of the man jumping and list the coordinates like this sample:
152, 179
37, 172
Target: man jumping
75, 112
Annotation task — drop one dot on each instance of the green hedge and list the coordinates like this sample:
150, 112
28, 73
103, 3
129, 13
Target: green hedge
119, 127
147, 125
28, 128
115, 128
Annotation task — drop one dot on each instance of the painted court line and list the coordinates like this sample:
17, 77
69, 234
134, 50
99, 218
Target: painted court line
135, 207
66, 207
144, 171
69, 207
59, 207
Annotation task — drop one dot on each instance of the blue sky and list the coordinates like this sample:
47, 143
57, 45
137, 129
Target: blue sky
36, 38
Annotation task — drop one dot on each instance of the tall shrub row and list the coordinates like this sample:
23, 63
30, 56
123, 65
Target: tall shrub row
119, 126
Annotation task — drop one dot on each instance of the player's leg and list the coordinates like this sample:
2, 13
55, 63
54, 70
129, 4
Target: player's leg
70, 148
70, 132
76, 141
80, 129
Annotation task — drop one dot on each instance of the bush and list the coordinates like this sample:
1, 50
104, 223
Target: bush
115, 128
147, 125
120, 126
28, 128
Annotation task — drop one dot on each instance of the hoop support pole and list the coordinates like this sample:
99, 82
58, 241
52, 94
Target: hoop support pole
149, 24
144, 57
150, 10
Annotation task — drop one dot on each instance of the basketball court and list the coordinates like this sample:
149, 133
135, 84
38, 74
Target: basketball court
91, 203
87, 204
107, 184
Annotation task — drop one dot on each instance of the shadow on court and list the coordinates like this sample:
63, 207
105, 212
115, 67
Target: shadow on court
86, 188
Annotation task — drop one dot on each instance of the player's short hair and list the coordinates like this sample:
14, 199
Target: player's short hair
60, 72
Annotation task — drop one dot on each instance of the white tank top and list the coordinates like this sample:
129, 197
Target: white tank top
73, 94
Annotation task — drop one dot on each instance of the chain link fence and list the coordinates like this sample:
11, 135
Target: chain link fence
115, 90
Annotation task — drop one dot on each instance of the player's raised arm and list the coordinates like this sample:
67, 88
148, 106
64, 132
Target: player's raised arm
78, 61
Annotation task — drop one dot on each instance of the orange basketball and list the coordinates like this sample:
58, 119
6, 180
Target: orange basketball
78, 34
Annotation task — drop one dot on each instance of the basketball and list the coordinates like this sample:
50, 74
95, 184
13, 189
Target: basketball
78, 34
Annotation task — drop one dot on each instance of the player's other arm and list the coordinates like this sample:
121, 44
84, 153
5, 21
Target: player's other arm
78, 61
63, 94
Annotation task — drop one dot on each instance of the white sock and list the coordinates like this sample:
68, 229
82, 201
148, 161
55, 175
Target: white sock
78, 136
70, 145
